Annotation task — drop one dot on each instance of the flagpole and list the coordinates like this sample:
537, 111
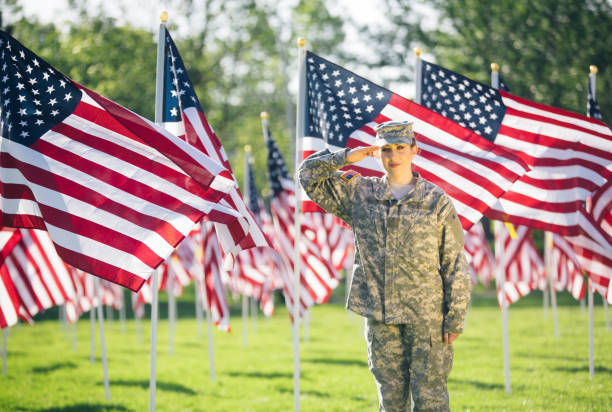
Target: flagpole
591, 339
92, 332
593, 83
4, 339
418, 75
122, 311
211, 348
245, 298
548, 243
501, 275
159, 92
171, 310
102, 339
74, 335
198, 312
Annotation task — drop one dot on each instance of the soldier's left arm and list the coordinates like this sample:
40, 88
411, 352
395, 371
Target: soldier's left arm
453, 268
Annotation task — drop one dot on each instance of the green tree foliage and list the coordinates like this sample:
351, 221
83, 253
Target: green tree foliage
233, 51
544, 47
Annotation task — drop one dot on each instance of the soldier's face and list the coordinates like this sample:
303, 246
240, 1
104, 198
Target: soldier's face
397, 159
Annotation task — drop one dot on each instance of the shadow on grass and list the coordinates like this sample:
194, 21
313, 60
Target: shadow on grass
344, 362
548, 356
86, 407
306, 393
598, 369
477, 384
264, 375
164, 386
54, 367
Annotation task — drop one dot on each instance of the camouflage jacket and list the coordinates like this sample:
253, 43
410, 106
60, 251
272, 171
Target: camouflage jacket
410, 267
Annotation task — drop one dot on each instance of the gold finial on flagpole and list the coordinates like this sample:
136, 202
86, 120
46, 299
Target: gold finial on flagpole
301, 42
265, 115
247, 148
593, 69
417, 51
494, 67
163, 16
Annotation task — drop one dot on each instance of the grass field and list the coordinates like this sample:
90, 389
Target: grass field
44, 373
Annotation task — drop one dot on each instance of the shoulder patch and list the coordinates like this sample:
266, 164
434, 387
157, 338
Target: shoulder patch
349, 175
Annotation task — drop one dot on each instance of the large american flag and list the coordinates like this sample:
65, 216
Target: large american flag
183, 116
570, 154
318, 277
115, 192
343, 109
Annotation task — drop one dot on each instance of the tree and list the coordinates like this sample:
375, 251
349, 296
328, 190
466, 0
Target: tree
544, 47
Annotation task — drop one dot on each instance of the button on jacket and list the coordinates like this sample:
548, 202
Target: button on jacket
409, 265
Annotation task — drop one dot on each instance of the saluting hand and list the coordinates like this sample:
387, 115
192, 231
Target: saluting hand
360, 153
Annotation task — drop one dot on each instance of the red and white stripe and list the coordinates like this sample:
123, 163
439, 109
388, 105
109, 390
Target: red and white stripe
318, 277
479, 254
471, 170
9, 299
215, 293
523, 267
105, 168
335, 241
567, 273
570, 155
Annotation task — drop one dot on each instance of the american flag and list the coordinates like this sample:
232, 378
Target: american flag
595, 257
9, 298
318, 277
343, 109
523, 267
592, 106
570, 154
213, 288
184, 117
41, 279
479, 254
335, 241
257, 269
80, 166
567, 272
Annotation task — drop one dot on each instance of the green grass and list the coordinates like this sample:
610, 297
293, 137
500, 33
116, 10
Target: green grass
547, 373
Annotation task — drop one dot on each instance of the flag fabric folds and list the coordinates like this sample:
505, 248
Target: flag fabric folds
9, 299
115, 192
570, 155
567, 273
343, 109
318, 277
478, 252
183, 116
522, 267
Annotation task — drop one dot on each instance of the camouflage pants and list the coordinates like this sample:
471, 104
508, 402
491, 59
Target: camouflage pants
403, 361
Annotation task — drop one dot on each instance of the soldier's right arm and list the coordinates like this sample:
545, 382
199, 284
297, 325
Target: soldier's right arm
325, 185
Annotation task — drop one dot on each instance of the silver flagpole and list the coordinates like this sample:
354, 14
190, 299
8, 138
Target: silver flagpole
548, 243
4, 339
171, 311
102, 339
159, 93
501, 276
592, 82
122, 311
92, 333
198, 313
211, 348
299, 135
418, 75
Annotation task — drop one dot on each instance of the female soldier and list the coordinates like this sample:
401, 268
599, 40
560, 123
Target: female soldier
410, 278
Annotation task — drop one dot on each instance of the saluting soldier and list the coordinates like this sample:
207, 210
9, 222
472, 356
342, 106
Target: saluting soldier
410, 278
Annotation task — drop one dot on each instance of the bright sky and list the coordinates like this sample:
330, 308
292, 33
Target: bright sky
145, 14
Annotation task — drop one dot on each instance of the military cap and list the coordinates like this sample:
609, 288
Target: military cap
394, 132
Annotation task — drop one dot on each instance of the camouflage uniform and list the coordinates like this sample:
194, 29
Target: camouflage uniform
410, 278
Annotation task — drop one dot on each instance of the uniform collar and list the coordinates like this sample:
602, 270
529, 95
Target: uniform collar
383, 190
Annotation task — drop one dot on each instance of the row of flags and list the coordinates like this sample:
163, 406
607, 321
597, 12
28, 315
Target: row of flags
120, 195
495, 154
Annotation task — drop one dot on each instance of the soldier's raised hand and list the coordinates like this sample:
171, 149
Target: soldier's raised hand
360, 153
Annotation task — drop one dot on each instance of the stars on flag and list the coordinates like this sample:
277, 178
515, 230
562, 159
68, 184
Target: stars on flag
34, 96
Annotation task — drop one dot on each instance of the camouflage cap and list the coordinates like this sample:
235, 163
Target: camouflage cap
394, 132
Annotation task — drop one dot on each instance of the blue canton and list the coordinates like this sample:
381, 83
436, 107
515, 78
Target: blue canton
178, 90
473, 105
338, 101
34, 97
277, 169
